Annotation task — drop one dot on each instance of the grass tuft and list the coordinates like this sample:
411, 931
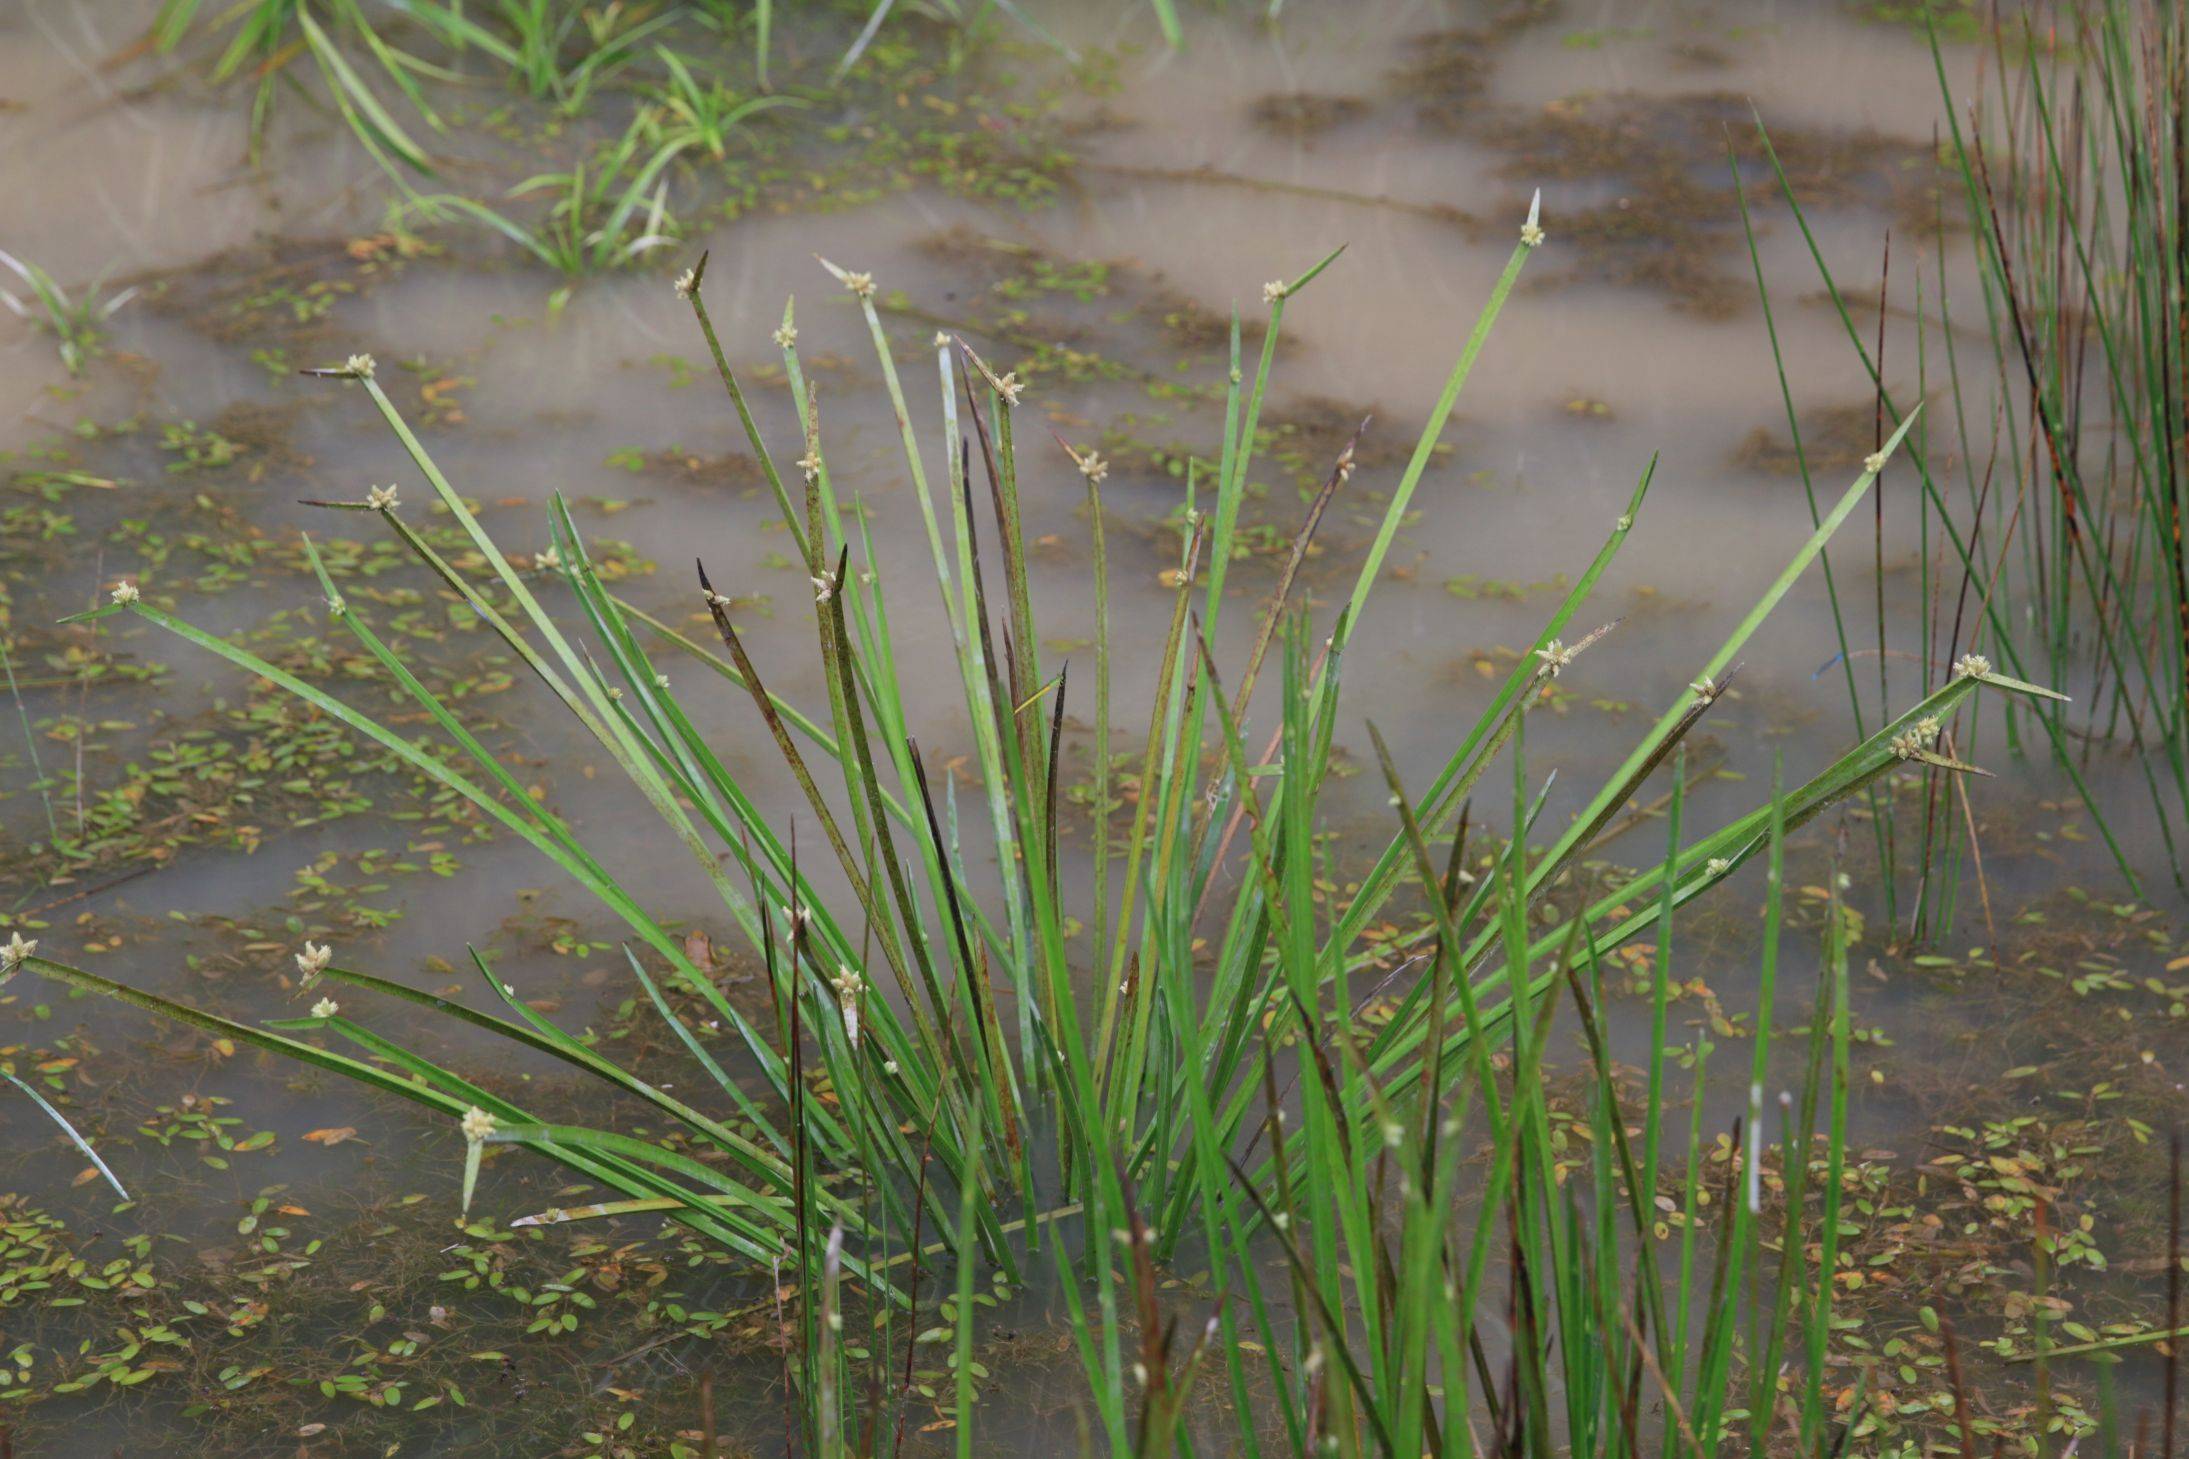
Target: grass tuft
953, 1072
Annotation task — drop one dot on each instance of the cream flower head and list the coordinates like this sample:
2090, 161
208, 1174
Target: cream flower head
1917, 738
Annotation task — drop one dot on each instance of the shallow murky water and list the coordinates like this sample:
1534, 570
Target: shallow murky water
1411, 133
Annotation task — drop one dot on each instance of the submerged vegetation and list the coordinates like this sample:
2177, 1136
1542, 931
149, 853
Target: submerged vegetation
556, 52
74, 323
655, 117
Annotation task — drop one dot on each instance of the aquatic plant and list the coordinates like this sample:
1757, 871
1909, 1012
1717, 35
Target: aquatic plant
551, 51
972, 1053
558, 51
16, 951
267, 36
690, 114
605, 213
2064, 526
74, 323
